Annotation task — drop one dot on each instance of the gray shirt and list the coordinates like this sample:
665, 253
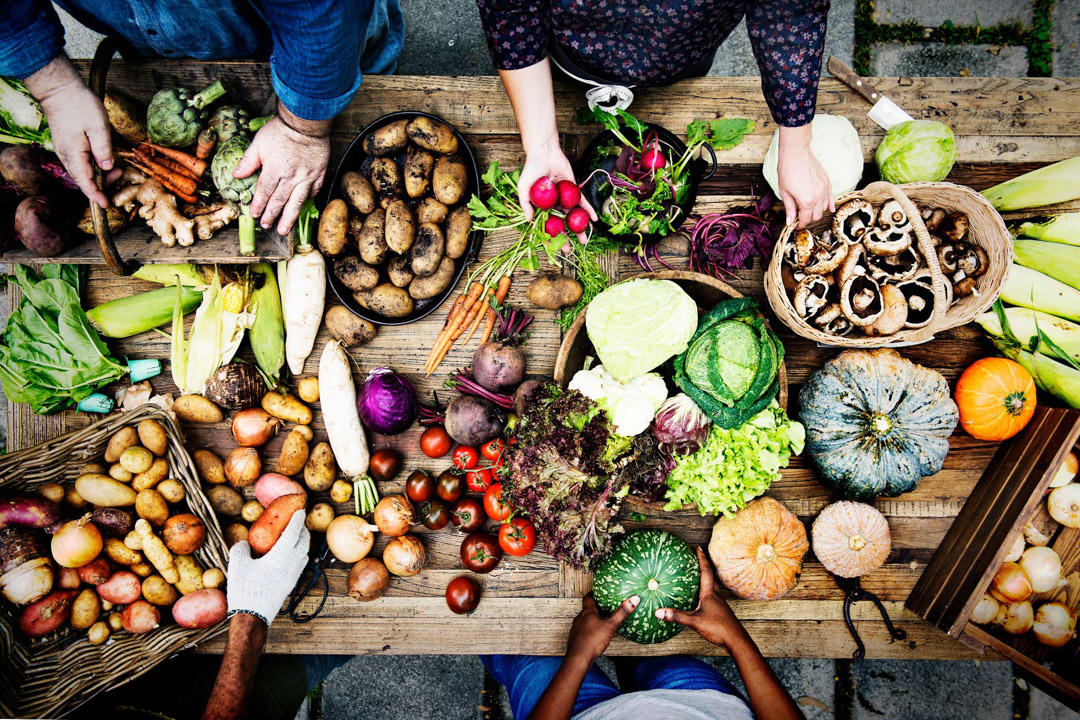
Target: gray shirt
670, 705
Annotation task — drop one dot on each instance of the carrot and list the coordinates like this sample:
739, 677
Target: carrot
455, 321
204, 147
193, 163
170, 165
480, 314
165, 181
492, 316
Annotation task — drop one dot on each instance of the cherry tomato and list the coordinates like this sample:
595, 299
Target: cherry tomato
496, 507
434, 515
493, 449
420, 486
517, 536
465, 457
462, 595
384, 464
468, 515
478, 480
435, 442
481, 552
450, 486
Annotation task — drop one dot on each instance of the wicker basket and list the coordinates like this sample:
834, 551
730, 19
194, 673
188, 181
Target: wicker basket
986, 229
51, 676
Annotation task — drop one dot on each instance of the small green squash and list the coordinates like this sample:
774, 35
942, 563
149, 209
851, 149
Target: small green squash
876, 423
659, 568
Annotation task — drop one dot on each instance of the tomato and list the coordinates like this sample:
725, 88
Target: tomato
517, 536
434, 515
465, 457
420, 486
481, 552
468, 515
493, 449
384, 464
478, 480
496, 507
435, 442
462, 595
450, 486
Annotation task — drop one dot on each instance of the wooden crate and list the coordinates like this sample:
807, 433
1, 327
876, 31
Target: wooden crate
1010, 494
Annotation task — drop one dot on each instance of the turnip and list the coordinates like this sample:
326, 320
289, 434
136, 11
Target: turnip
543, 193
577, 220
569, 194
553, 226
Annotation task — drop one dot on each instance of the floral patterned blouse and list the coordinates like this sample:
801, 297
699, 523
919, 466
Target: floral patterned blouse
652, 41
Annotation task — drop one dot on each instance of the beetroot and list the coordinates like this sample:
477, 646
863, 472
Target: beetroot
569, 194
543, 193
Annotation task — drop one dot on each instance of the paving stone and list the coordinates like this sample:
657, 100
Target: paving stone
941, 60
932, 690
386, 687
1066, 38
443, 38
1044, 707
932, 13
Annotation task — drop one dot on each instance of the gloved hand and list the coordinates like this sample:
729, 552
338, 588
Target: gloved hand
260, 586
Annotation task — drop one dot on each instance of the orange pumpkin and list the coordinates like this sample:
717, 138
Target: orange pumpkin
851, 539
996, 397
758, 553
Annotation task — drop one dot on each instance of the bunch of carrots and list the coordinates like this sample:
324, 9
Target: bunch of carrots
466, 313
178, 172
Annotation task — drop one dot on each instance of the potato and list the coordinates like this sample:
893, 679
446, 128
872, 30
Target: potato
85, 610
133, 541
224, 500
183, 534
386, 178
273, 485
202, 609
427, 252
431, 210
98, 633
457, 232
191, 574
172, 490
390, 139
354, 273
399, 270
143, 569
150, 506
159, 592
114, 622
341, 491
106, 606
294, 454
449, 180
213, 578
95, 572
308, 390
418, 165
305, 430
552, 291
358, 192
423, 288
211, 469
41, 226
98, 468
287, 407
46, 615
113, 522
319, 517
197, 409
320, 469
126, 116
122, 554
252, 510
72, 498
332, 223
400, 227
371, 242
432, 135
140, 617
114, 216
158, 471
122, 588
121, 440
268, 528
136, 459
119, 474
152, 437
237, 532
349, 329
53, 492
387, 300
103, 491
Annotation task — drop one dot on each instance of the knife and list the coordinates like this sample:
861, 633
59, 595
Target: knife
885, 112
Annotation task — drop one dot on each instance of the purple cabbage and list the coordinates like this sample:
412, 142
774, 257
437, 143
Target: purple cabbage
680, 426
386, 402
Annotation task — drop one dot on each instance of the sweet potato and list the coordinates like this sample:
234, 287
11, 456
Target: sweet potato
268, 528
358, 192
200, 609
294, 454
40, 227
122, 588
27, 511
47, 614
332, 224
273, 485
140, 617
85, 609
184, 534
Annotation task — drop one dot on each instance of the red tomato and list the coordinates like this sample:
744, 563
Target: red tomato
465, 457
468, 515
462, 595
450, 487
420, 486
478, 480
435, 442
493, 449
517, 536
481, 552
496, 507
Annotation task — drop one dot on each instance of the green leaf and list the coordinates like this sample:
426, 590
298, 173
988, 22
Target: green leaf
697, 132
491, 177
727, 133
633, 123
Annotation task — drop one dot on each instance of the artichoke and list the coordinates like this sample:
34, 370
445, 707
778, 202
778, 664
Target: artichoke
238, 190
174, 116
228, 120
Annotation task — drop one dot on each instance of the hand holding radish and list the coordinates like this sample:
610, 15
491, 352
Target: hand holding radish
547, 180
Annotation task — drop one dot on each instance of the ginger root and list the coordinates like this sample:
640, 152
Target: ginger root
206, 224
157, 207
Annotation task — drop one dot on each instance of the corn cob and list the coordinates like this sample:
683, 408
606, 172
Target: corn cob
1060, 229
1032, 289
1060, 262
1055, 183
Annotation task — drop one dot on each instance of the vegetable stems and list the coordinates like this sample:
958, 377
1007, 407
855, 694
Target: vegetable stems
365, 494
463, 382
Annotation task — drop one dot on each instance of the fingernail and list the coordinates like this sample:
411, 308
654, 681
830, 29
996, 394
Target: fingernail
660, 614
634, 601
106, 165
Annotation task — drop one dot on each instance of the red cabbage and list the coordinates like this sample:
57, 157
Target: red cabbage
386, 402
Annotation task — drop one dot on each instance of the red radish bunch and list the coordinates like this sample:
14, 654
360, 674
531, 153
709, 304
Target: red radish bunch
545, 194
569, 194
577, 220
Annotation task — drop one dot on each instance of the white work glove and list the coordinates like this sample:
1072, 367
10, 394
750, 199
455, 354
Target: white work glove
259, 586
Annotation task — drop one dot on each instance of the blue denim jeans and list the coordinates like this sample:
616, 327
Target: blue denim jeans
527, 676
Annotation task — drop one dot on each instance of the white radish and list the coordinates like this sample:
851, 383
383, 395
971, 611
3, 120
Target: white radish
305, 294
337, 398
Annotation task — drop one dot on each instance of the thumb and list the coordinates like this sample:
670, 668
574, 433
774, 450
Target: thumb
683, 618
625, 608
249, 163
791, 208
523, 198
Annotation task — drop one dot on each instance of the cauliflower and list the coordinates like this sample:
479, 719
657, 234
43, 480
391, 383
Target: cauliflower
630, 405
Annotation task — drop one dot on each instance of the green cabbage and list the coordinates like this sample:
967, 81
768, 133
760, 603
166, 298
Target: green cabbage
637, 325
916, 150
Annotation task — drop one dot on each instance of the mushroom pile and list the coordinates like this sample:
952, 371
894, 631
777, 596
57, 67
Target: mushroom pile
867, 273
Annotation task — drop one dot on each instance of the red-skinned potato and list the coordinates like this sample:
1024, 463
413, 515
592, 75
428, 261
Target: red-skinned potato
271, 486
200, 609
47, 614
122, 588
69, 579
140, 617
96, 572
268, 528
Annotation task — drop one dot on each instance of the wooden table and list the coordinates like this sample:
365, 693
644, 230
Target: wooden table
1003, 127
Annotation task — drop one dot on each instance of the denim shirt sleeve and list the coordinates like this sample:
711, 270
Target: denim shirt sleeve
515, 31
788, 40
315, 66
30, 36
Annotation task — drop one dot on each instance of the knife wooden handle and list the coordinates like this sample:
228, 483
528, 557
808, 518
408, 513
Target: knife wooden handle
847, 76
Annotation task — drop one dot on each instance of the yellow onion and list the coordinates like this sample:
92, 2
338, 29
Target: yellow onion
76, 543
1016, 550
986, 611
350, 538
404, 556
1011, 584
368, 580
253, 427
1016, 618
1055, 624
1043, 567
394, 515
1064, 505
243, 466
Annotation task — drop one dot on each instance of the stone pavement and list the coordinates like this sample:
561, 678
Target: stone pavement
889, 37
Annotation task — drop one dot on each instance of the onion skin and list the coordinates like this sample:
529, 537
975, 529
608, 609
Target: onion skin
350, 538
1043, 567
1017, 618
394, 515
76, 543
1064, 505
1015, 551
242, 467
1011, 584
368, 580
986, 611
1055, 624
253, 427
404, 556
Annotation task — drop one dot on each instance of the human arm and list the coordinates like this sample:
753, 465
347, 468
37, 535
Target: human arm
714, 620
589, 637
236, 678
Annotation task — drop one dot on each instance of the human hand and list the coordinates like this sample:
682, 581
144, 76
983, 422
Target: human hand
591, 634
804, 184
260, 586
292, 156
712, 618
547, 161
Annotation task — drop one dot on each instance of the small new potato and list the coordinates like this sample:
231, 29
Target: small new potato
399, 270
150, 506
158, 471
294, 454
197, 409
341, 491
114, 622
428, 250
400, 228
122, 588
202, 609
552, 291
457, 232
172, 490
159, 592
387, 300
133, 541
432, 135
333, 221
237, 532
308, 389
422, 288
124, 438
72, 498
103, 491
418, 166
53, 492
371, 240
211, 469
354, 273
136, 459
98, 632
121, 553
388, 140
386, 178
286, 407
152, 437
347, 328
143, 569
358, 192
85, 609
251, 511
140, 617
320, 469
213, 578
449, 179
319, 517
119, 473
305, 430
224, 500
97, 468
430, 210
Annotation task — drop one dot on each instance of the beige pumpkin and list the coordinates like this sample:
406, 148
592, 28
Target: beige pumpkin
851, 539
758, 553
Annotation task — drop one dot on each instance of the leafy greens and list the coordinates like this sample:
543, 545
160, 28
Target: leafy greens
21, 118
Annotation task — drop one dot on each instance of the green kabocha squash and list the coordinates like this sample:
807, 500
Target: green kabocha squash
660, 569
876, 423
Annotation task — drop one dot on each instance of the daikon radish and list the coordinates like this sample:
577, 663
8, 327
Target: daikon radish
337, 396
303, 291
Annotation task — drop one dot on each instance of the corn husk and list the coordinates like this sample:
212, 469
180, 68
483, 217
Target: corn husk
1063, 228
267, 334
1032, 289
215, 337
1058, 379
1061, 262
1025, 325
1048, 185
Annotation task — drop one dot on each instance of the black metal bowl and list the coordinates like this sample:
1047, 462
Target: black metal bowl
590, 190
354, 159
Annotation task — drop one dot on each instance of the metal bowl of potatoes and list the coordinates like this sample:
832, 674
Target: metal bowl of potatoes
396, 232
